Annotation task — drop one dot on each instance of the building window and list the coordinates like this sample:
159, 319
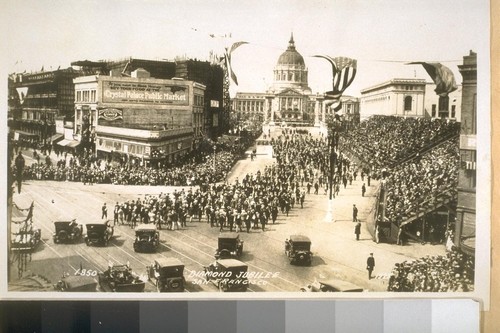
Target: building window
453, 107
408, 102
433, 110
78, 96
92, 95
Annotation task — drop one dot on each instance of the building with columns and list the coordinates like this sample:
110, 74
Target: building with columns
396, 97
289, 99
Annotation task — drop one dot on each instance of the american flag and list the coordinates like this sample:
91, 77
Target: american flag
227, 57
441, 75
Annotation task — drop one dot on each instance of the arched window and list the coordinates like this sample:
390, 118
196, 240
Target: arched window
408, 102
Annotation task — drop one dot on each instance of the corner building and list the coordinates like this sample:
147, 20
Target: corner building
147, 119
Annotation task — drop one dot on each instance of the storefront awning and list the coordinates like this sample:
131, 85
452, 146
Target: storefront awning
24, 133
64, 142
73, 143
56, 137
68, 143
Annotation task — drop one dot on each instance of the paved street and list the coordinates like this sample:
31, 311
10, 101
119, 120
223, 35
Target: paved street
327, 223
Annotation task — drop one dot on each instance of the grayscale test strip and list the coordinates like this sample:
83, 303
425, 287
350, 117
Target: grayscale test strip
248, 316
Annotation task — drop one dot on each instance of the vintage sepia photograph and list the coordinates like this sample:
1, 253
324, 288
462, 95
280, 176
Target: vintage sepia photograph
165, 149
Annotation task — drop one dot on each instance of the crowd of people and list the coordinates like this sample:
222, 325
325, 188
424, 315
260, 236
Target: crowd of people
251, 203
384, 140
200, 167
453, 272
419, 183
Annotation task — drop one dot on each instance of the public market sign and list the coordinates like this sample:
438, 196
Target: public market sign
144, 93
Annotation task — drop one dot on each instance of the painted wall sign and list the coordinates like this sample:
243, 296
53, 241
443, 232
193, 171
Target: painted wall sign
110, 114
144, 93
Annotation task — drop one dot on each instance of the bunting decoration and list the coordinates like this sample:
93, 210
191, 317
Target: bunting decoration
343, 73
227, 59
441, 75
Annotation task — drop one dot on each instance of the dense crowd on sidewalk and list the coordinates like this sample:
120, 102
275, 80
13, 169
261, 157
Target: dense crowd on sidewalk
453, 272
200, 167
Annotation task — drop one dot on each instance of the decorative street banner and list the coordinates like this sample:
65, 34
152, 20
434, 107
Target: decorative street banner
144, 93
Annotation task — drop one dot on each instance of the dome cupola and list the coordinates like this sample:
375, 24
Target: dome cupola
291, 56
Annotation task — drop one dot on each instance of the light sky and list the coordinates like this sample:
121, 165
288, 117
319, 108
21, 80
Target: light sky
382, 35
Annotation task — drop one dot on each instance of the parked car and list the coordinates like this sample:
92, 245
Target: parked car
228, 274
167, 274
26, 237
298, 249
229, 246
147, 238
67, 231
332, 285
99, 233
76, 283
120, 278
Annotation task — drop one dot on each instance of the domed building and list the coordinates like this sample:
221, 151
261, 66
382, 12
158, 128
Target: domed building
291, 71
289, 98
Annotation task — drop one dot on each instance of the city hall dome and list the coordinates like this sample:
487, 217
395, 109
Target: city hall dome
291, 56
290, 71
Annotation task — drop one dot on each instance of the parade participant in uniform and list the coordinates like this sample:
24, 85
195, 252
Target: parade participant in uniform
370, 264
19, 162
115, 213
104, 211
357, 230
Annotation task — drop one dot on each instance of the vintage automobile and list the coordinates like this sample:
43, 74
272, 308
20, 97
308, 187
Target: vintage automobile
99, 233
147, 238
331, 285
26, 237
167, 274
298, 249
76, 283
120, 278
228, 274
229, 246
67, 231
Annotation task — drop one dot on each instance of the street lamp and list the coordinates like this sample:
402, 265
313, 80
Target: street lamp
214, 157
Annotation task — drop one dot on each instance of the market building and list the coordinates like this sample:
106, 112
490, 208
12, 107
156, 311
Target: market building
148, 119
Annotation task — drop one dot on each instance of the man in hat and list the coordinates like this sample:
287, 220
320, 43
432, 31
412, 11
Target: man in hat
357, 230
354, 213
370, 264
